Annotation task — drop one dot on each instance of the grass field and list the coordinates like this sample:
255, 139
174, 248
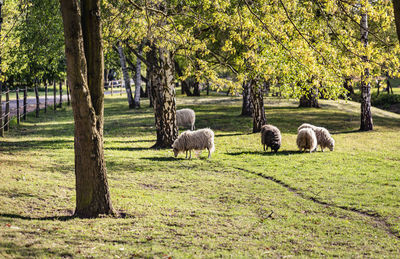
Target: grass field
240, 203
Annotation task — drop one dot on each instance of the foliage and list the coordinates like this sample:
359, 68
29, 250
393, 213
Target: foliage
34, 47
295, 45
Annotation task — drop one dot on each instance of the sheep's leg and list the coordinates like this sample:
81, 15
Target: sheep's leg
186, 153
264, 148
190, 154
209, 153
322, 149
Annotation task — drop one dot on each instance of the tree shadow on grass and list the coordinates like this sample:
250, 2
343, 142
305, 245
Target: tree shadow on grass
162, 159
346, 132
231, 134
59, 218
128, 148
132, 141
35, 144
27, 251
266, 153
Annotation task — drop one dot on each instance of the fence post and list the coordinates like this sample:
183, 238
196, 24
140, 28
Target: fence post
1, 116
25, 101
45, 96
37, 101
55, 95
7, 117
18, 112
68, 101
112, 87
60, 105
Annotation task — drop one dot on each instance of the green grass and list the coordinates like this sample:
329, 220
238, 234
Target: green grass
240, 203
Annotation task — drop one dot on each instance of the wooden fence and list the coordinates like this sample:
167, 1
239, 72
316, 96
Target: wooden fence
12, 107
19, 108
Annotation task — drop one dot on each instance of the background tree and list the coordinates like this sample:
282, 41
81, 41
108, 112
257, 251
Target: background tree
127, 78
38, 51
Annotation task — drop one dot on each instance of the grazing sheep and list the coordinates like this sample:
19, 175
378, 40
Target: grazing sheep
306, 139
271, 137
194, 140
185, 118
324, 138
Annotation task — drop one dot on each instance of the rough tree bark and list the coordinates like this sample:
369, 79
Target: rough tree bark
148, 83
127, 79
138, 78
257, 101
196, 87
162, 92
396, 8
247, 108
85, 64
347, 85
366, 115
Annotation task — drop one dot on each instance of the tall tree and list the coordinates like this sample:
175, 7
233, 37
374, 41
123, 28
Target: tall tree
125, 72
85, 65
257, 99
396, 8
162, 91
138, 77
366, 115
247, 108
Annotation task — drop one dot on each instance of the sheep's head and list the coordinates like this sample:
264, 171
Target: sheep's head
275, 146
175, 149
331, 145
176, 152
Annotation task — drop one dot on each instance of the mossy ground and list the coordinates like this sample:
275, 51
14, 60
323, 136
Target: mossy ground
240, 203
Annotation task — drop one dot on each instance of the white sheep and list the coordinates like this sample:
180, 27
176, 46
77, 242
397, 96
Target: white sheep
194, 140
324, 138
185, 118
306, 139
271, 137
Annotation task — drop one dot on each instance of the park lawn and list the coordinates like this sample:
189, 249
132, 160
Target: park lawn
240, 203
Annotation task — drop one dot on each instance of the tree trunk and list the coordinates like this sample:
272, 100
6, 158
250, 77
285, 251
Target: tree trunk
309, 100
247, 108
196, 87
366, 115
396, 7
185, 84
138, 78
257, 100
163, 95
378, 86
148, 85
85, 64
348, 87
127, 79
